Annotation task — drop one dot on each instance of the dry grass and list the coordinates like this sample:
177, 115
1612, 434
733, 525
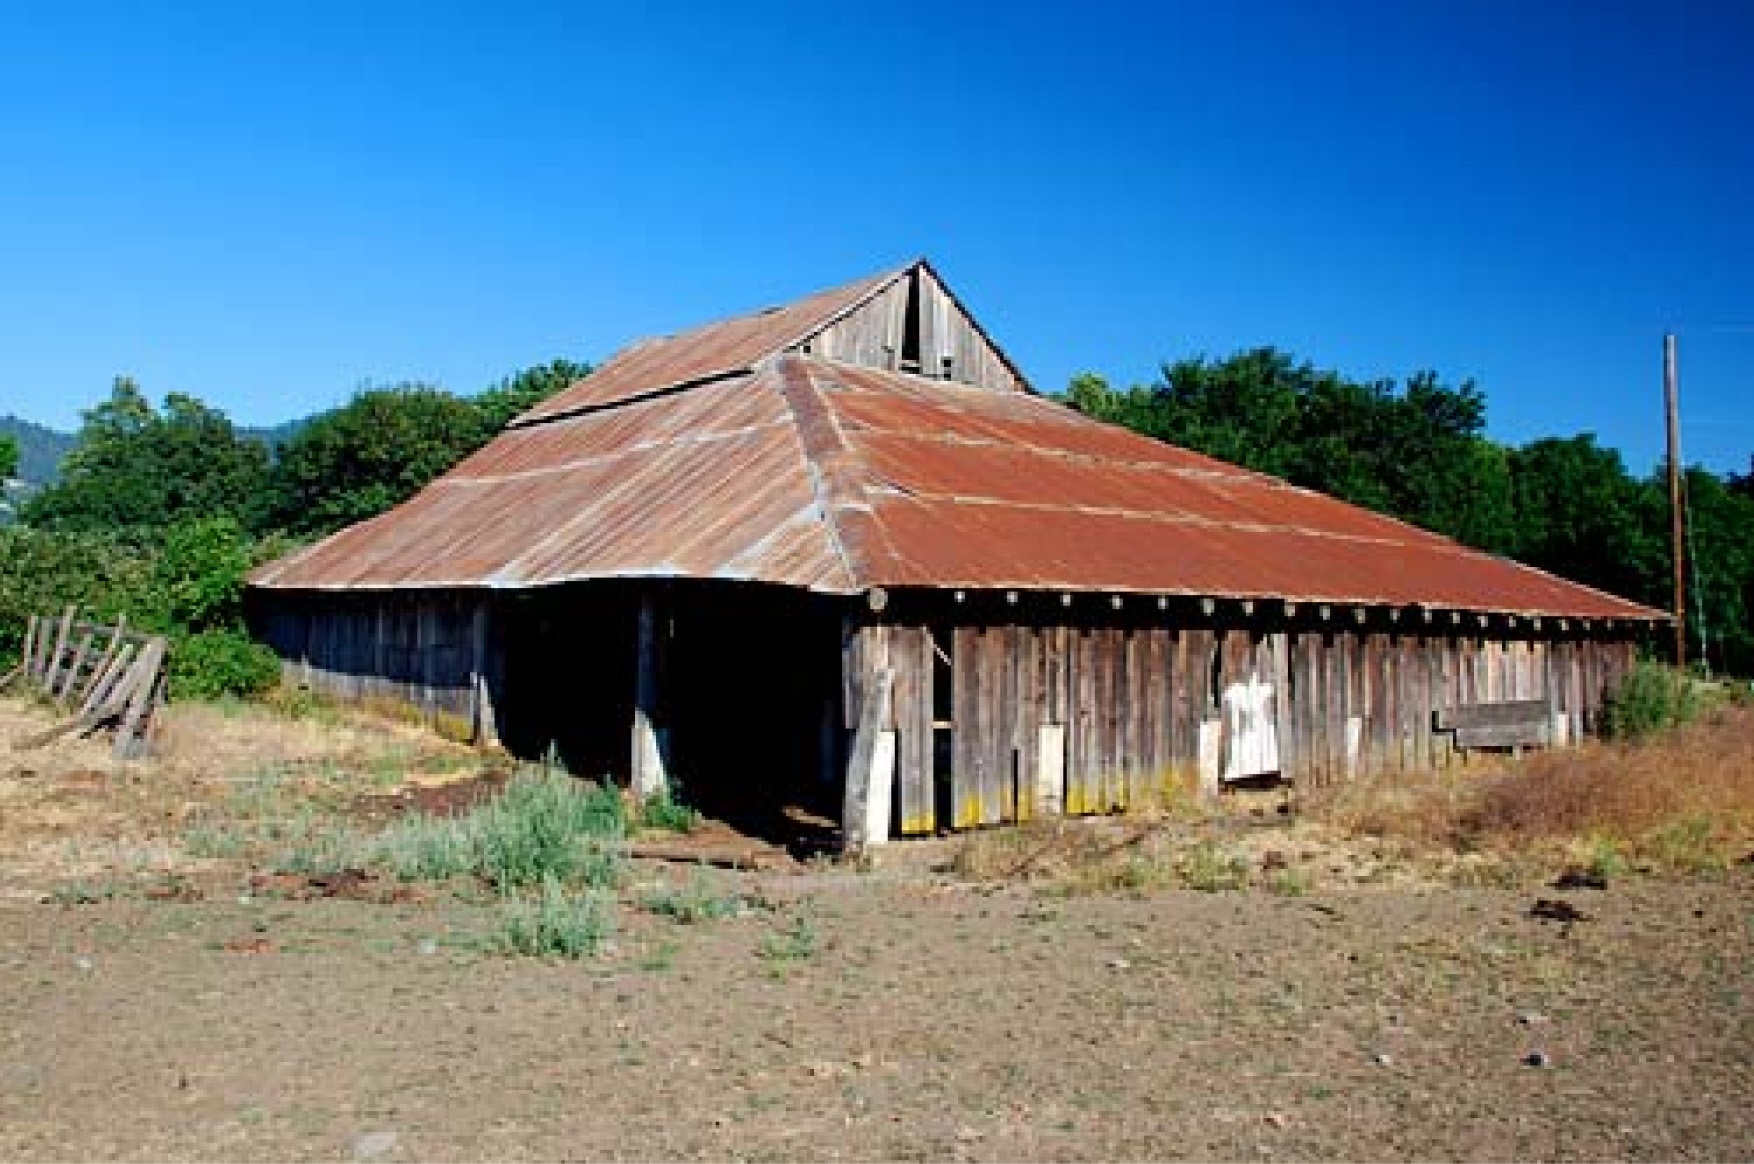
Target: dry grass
1107, 855
1683, 801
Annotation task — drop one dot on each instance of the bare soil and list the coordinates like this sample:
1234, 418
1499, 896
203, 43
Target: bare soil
157, 1003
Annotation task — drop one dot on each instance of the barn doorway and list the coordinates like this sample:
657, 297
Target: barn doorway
750, 709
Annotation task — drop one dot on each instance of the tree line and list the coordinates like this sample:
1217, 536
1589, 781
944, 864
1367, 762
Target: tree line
160, 510
1417, 450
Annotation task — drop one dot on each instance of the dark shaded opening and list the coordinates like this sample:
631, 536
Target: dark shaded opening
568, 676
753, 712
943, 705
910, 326
748, 705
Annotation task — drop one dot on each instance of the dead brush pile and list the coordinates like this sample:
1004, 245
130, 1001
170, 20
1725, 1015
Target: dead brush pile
1681, 801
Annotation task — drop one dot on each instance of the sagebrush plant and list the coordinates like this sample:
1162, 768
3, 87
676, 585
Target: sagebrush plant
555, 922
323, 853
544, 825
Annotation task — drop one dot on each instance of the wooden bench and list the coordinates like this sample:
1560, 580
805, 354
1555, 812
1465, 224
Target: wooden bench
1510, 723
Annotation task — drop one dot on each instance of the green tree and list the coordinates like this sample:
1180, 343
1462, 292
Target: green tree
1416, 452
373, 453
1720, 580
198, 576
1581, 515
8, 457
42, 571
141, 468
521, 392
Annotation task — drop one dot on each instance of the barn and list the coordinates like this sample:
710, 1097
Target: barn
840, 554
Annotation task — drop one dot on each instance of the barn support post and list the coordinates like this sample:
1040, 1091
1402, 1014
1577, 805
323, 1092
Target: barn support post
484, 723
871, 767
647, 767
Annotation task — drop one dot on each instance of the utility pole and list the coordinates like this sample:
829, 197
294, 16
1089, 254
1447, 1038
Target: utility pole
1671, 393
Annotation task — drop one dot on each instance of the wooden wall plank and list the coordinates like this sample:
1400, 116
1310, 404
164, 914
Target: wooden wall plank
910, 655
965, 731
1028, 669
1005, 719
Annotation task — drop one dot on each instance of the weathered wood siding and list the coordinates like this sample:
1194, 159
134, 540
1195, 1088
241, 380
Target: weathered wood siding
1342, 699
940, 340
432, 652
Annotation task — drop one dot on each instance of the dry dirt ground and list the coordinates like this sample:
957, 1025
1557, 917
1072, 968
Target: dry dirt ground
161, 998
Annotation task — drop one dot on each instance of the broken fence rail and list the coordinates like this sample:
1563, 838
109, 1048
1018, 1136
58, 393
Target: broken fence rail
103, 675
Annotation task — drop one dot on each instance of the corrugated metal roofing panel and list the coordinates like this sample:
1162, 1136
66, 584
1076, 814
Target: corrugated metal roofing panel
714, 349
710, 483
811, 473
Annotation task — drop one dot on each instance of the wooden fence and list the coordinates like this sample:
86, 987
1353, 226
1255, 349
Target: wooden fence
102, 676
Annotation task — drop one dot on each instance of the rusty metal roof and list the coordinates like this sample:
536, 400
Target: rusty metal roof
800, 471
707, 352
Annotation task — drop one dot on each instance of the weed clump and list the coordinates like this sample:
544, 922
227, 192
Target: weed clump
661, 811
554, 922
692, 903
544, 825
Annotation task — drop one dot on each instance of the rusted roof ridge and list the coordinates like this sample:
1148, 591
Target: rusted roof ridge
839, 473
265, 574
705, 438
1057, 412
530, 420
821, 443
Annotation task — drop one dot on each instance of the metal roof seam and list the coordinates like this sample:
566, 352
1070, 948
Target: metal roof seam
1073, 455
786, 375
705, 438
1180, 517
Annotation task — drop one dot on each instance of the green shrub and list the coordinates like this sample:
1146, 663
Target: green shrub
1653, 698
217, 663
661, 811
548, 824
555, 923
322, 854
1210, 869
544, 825
427, 848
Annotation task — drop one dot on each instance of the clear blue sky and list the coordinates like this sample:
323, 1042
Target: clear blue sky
268, 204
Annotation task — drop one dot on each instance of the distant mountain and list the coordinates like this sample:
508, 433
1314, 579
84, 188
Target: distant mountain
40, 449
279, 434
